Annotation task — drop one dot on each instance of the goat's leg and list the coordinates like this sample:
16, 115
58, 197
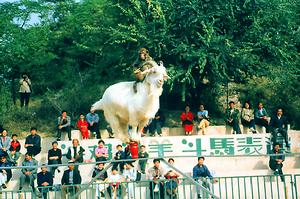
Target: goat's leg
119, 129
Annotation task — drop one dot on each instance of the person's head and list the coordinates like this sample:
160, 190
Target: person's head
201, 107
187, 108
156, 163
143, 148
44, 168
64, 113
114, 171
171, 161
54, 145
231, 104
24, 76
279, 112
143, 52
3, 158
71, 166
101, 144
247, 105
14, 137
100, 165
201, 160
92, 111
119, 147
4, 132
75, 142
276, 147
82, 117
28, 156
33, 131
260, 105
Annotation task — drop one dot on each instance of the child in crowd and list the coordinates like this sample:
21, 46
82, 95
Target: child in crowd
143, 154
172, 180
115, 187
101, 179
14, 150
120, 155
83, 125
101, 152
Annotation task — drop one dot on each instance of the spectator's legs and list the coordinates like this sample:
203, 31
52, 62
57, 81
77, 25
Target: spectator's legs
236, 126
274, 135
27, 95
158, 127
109, 190
22, 181
52, 169
151, 188
284, 134
64, 190
58, 136
130, 187
68, 130
142, 164
161, 191
22, 99
31, 182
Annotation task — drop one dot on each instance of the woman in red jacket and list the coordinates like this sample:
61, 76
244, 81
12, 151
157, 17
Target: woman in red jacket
187, 118
82, 125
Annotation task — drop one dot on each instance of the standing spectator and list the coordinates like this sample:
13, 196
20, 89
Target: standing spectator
33, 142
5, 172
187, 119
157, 123
70, 181
44, 181
93, 122
75, 153
101, 152
54, 157
115, 186
120, 155
28, 173
276, 159
4, 143
14, 150
202, 175
143, 154
172, 183
279, 124
247, 117
261, 117
232, 118
101, 179
25, 90
203, 119
130, 177
63, 125
155, 174
83, 125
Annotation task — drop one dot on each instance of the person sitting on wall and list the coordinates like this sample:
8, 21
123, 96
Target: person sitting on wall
70, 181
63, 125
157, 123
101, 179
101, 152
75, 153
155, 174
247, 117
5, 172
93, 121
232, 118
261, 117
14, 150
276, 160
33, 142
187, 118
83, 125
203, 118
54, 157
5, 142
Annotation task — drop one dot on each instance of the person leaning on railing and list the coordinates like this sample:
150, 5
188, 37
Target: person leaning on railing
70, 181
156, 174
44, 181
276, 159
101, 179
202, 174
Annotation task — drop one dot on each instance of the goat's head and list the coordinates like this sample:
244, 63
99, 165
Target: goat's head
156, 75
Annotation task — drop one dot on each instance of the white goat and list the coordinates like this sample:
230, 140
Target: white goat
123, 107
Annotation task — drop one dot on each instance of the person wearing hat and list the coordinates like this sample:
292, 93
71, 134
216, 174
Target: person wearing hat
130, 174
5, 174
54, 157
44, 181
70, 181
141, 64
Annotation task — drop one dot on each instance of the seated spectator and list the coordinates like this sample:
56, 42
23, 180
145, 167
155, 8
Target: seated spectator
203, 118
5, 172
115, 186
120, 155
101, 152
29, 173
232, 118
157, 123
172, 180
75, 153
70, 181
130, 177
155, 174
82, 125
143, 154
63, 125
4, 143
14, 150
93, 122
202, 175
33, 142
101, 179
44, 181
187, 119
279, 124
247, 117
54, 157
261, 117
276, 159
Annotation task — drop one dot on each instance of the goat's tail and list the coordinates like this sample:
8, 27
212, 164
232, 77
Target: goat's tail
97, 106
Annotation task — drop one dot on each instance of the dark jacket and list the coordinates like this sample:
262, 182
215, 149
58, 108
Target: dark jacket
120, 155
199, 172
7, 166
35, 140
258, 114
274, 157
102, 176
76, 177
79, 156
281, 123
232, 115
47, 177
52, 153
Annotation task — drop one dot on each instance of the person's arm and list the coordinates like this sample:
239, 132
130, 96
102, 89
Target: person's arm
64, 178
34, 168
89, 118
39, 180
59, 155
68, 122
208, 172
285, 122
183, 117
79, 177
38, 142
94, 174
96, 118
195, 173
50, 179
18, 147
68, 155
256, 114
58, 121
